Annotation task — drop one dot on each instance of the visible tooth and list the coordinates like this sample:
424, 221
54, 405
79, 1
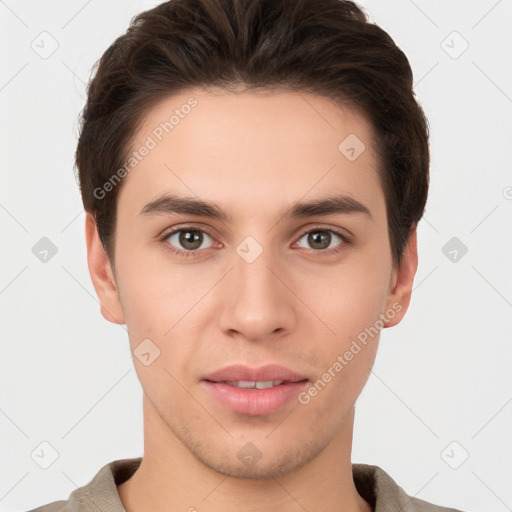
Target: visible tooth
245, 383
249, 384
265, 384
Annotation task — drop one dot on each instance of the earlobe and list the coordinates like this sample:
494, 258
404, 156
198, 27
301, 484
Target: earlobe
102, 275
400, 296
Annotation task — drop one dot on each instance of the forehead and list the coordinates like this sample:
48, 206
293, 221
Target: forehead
245, 148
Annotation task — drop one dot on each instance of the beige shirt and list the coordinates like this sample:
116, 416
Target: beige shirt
100, 494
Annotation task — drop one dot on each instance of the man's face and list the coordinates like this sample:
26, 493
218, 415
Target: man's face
256, 288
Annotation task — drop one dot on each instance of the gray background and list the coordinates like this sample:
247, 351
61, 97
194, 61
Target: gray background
441, 388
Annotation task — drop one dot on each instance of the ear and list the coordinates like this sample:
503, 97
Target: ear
102, 275
402, 281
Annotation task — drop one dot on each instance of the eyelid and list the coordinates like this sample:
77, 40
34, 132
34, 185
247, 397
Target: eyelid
179, 227
343, 233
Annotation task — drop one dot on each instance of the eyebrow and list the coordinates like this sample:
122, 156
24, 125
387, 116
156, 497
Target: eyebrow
170, 204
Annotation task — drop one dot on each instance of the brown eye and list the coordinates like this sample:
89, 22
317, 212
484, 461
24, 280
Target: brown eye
187, 239
320, 239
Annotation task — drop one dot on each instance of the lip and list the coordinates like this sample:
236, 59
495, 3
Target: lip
262, 373
254, 402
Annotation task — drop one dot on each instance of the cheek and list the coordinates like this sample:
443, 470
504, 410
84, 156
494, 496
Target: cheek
155, 306
156, 295
349, 303
347, 299
345, 352
167, 306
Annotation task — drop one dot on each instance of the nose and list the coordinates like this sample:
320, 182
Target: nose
257, 301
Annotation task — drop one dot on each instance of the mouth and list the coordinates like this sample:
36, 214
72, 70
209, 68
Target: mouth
239, 374
254, 392
252, 384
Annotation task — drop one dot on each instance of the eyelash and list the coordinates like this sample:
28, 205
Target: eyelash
178, 252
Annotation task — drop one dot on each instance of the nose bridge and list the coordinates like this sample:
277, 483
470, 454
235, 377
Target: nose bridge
255, 277
258, 303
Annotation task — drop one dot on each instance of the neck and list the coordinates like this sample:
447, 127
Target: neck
171, 477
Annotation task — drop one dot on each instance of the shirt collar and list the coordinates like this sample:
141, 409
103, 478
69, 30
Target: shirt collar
372, 483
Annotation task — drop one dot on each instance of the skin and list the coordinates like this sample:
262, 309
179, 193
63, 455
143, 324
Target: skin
296, 305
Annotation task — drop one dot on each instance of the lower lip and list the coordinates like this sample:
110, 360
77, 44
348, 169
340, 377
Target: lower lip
254, 401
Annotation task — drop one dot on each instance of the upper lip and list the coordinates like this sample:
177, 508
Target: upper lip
265, 373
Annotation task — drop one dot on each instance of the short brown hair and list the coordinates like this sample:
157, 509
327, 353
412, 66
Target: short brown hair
326, 47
